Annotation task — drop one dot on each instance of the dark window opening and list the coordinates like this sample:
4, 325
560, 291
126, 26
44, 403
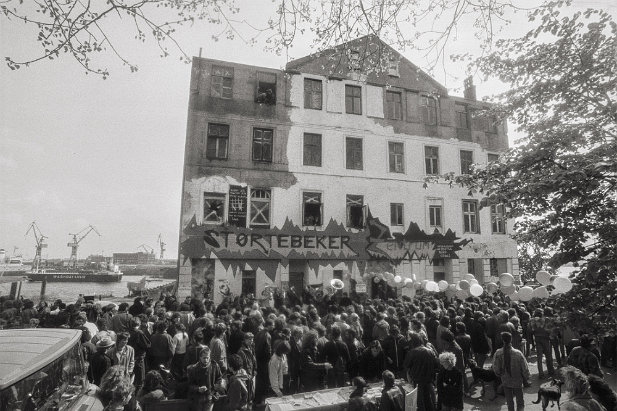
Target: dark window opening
396, 157
466, 161
355, 211
218, 141
431, 159
394, 104
313, 94
396, 214
222, 82
262, 144
249, 282
354, 153
312, 209
312, 150
214, 208
428, 107
353, 99
266, 88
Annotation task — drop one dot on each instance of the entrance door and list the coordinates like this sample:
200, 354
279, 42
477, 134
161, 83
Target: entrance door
296, 280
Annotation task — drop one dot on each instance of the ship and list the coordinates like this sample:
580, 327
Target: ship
12, 266
103, 273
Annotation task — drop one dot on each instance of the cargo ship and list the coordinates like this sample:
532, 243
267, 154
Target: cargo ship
12, 266
105, 273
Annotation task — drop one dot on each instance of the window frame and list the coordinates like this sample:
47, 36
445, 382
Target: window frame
350, 89
468, 168
392, 157
469, 215
306, 194
353, 151
211, 195
431, 161
216, 137
310, 92
352, 200
393, 107
223, 77
426, 109
488, 158
262, 144
305, 158
248, 276
462, 114
498, 219
262, 88
397, 218
253, 207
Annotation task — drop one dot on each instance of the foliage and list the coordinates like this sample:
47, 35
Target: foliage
82, 29
560, 181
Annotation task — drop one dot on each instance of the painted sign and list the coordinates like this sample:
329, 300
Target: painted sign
360, 287
236, 215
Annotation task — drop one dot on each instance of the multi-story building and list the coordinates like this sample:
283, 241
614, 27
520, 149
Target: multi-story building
134, 258
283, 166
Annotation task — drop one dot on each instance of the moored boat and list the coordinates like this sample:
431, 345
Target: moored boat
106, 274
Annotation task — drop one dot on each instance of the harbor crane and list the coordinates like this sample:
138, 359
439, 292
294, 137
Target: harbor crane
39, 238
75, 243
162, 246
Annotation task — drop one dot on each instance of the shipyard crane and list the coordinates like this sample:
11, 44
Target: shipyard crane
75, 244
162, 246
39, 238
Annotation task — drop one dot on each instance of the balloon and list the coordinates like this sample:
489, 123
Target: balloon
469, 277
526, 293
408, 282
461, 294
506, 279
476, 290
515, 296
562, 284
388, 276
540, 292
423, 283
491, 288
443, 285
553, 279
376, 279
474, 281
380, 276
398, 279
543, 277
508, 290
464, 285
452, 287
430, 286
417, 286
450, 293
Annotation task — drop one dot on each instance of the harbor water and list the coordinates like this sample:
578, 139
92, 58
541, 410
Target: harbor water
70, 291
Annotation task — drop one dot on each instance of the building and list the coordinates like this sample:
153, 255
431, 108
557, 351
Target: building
134, 258
296, 177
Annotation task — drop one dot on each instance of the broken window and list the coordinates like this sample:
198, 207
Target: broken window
312, 150
396, 214
431, 159
353, 149
428, 108
262, 144
353, 99
394, 106
355, 211
466, 161
260, 208
312, 209
396, 156
266, 88
214, 208
218, 141
313, 94
221, 84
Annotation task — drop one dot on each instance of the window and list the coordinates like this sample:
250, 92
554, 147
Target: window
493, 157
396, 157
471, 219
428, 108
354, 60
353, 148
260, 208
214, 208
498, 219
396, 214
353, 99
313, 94
393, 68
312, 209
431, 160
498, 266
394, 105
262, 144
337, 274
218, 140
439, 269
462, 118
312, 150
466, 161
266, 88
221, 84
355, 211
249, 282
434, 215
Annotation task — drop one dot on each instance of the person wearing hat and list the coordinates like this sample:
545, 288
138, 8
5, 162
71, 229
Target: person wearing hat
100, 361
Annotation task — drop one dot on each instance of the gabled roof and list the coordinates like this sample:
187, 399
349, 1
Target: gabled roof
335, 62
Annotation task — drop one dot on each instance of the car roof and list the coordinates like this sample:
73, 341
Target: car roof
25, 351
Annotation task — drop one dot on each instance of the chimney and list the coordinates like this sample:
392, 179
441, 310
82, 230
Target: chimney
470, 89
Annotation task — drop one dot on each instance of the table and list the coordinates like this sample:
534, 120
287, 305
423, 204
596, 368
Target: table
335, 399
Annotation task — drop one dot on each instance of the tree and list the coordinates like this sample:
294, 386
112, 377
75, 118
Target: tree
82, 29
559, 183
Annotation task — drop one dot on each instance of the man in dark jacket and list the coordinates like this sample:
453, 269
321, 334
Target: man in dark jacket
263, 353
337, 354
394, 348
121, 322
421, 364
392, 397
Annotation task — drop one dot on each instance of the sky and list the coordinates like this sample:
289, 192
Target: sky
77, 150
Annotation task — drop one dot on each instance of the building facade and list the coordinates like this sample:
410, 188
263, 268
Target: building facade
295, 177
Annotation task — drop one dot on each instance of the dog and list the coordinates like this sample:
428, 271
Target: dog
549, 392
482, 375
602, 392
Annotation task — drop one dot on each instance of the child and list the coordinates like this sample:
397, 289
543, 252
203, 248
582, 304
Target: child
449, 383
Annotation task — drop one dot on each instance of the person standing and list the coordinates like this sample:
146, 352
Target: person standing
278, 368
541, 332
337, 354
121, 321
204, 378
421, 364
449, 383
140, 344
263, 352
249, 362
511, 366
123, 354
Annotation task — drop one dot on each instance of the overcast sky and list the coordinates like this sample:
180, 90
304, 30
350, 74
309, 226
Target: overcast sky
77, 150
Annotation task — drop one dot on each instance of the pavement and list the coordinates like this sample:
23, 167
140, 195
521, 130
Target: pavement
530, 394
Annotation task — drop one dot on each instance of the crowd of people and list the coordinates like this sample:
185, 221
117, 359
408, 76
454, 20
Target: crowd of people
236, 354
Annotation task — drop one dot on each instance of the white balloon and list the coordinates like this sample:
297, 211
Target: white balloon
398, 278
464, 285
562, 284
509, 290
443, 285
476, 290
526, 293
469, 277
506, 279
540, 292
515, 296
543, 277
474, 281
491, 288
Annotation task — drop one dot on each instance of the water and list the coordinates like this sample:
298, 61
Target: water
69, 292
